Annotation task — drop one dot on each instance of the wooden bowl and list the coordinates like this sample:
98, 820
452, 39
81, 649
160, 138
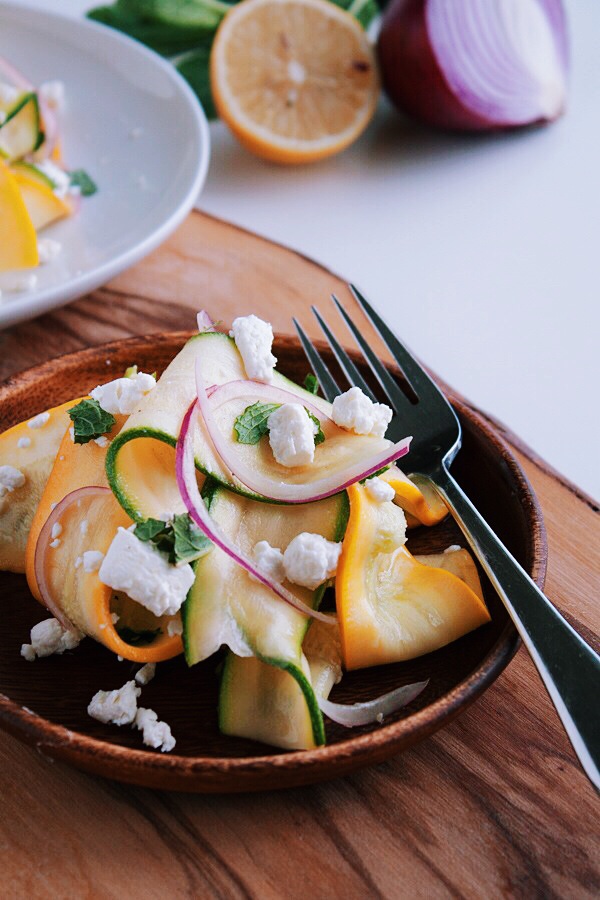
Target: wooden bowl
44, 703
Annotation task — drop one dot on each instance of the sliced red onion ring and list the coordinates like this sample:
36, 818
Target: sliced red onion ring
7, 70
195, 505
281, 490
258, 390
43, 542
354, 714
205, 323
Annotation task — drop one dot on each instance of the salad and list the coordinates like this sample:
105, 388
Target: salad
223, 509
36, 187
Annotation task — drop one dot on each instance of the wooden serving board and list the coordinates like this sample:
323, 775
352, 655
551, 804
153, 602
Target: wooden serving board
494, 805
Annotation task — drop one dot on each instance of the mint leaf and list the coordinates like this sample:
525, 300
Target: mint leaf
319, 436
252, 424
89, 421
150, 529
82, 180
190, 542
311, 383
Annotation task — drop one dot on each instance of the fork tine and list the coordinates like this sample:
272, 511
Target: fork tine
326, 379
395, 395
347, 366
416, 376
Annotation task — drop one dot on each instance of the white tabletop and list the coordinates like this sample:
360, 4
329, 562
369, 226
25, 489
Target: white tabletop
482, 252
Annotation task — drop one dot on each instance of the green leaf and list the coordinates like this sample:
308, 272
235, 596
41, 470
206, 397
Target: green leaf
319, 436
194, 66
311, 383
82, 180
252, 424
150, 529
190, 542
137, 638
89, 421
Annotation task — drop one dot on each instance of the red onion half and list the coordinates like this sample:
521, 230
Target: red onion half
43, 543
353, 714
475, 65
195, 505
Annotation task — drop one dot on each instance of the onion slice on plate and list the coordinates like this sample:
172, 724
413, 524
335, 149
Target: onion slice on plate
18, 80
353, 714
258, 390
43, 543
281, 490
205, 323
196, 507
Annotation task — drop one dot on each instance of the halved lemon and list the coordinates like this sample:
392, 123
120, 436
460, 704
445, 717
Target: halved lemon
295, 80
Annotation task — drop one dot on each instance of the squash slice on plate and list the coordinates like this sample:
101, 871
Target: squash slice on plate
32, 451
42, 204
420, 501
18, 240
392, 607
91, 524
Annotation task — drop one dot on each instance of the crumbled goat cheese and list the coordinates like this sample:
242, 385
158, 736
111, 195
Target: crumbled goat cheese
292, 435
55, 543
59, 178
10, 478
72, 433
379, 490
8, 93
56, 530
39, 421
123, 395
145, 575
452, 548
154, 733
102, 441
118, 707
24, 283
114, 618
48, 637
92, 560
269, 560
146, 673
83, 527
310, 559
23, 442
356, 412
175, 626
254, 339
53, 92
48, 250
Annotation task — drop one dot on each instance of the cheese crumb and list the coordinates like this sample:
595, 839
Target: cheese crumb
102, 441
48, 250
310, 559
23, 442
379, 490
292, 435
269, 560
146, 673
254, 339
83, 527
53, 92
56, 530
10, 479
175, 626
48, 637
55, 543
39, 421
118, 707
356, 412
123, 395
452, 548
8, 94
145, 575
154, 733
92, 560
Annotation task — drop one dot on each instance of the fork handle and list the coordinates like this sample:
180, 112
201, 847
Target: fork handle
569, 668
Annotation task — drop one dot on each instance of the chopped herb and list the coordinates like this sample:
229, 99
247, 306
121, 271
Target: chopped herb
319, 436
181, 541
311, 383
82, 180
89, 421
137, 638
252, 424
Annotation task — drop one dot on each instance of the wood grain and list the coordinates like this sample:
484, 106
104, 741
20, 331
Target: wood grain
493, 806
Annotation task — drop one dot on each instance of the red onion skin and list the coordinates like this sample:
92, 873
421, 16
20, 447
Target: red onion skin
413, 79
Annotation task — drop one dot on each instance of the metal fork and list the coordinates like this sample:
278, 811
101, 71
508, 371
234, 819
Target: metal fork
569, 668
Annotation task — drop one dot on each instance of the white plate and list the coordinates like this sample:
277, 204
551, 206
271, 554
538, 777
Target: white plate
115, 89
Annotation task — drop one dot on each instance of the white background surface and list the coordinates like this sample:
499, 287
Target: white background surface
483, 253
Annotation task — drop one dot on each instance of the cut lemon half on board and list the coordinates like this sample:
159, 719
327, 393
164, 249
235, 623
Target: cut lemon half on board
295, 80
